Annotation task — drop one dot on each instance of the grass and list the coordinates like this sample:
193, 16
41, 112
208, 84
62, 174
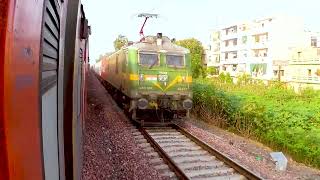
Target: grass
272, 114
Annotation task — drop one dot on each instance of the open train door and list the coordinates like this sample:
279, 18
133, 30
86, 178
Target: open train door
51, 85
65, 36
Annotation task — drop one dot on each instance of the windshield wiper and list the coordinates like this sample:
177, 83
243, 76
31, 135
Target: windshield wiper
154, 63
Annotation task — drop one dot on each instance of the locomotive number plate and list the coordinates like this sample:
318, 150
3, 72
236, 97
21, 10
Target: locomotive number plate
163, 77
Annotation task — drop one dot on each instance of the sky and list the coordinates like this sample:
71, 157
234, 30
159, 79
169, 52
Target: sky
182, 19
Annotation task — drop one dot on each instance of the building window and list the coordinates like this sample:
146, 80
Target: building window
244, 39
281, 72
299, 54
257, 39
235, 42
217, 59
313, 41
234, 67
224, 68
234, 55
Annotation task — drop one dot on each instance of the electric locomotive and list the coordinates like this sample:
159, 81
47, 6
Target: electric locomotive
153, 74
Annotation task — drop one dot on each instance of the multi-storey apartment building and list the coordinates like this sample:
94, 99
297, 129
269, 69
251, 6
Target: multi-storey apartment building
304, 68
256, 47
213, 52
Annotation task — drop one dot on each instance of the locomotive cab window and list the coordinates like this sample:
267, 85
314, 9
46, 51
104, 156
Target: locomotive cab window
175, 60
148, 59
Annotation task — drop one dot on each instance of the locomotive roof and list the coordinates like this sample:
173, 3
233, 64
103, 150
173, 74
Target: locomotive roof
150, 44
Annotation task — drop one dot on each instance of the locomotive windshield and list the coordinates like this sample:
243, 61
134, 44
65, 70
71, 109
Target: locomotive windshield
148, 59
175, 60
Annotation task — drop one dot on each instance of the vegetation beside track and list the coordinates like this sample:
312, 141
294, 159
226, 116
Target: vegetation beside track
273, 114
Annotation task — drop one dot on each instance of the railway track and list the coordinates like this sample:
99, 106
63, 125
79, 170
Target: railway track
177, 154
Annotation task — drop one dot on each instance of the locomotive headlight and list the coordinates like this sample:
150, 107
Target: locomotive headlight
187, 104
163, 77
141, 77
143, 103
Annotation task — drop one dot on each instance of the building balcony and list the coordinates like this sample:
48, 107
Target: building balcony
229, 48
260, 59
213, 64
259, 45
306, 79
304, 61
224, 37
233, 61
259, 30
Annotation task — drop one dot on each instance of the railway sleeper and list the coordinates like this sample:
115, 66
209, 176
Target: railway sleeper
156, 161
201, 165
203, 158
161, 130
209, 172
144, 145
170, 149
169, 174
185, 144
172, 141
164, 133
162, 167
153, 154
148, 149
188, 153
228, 177
169, 137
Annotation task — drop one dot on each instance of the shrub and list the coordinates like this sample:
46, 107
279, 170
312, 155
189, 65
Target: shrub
275, 115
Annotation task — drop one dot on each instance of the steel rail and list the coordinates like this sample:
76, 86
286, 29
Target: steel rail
179, 173
219, 155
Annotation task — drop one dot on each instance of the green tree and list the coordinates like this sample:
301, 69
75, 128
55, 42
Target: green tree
196, 54
119, 42
212, 70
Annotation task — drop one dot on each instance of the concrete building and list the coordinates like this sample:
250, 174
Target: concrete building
213, 52
260, 47
304, 68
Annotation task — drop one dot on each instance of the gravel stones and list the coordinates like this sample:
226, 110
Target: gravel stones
245, 152
108, 145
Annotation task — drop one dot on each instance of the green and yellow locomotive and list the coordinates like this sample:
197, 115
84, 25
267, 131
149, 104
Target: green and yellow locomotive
153, 74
